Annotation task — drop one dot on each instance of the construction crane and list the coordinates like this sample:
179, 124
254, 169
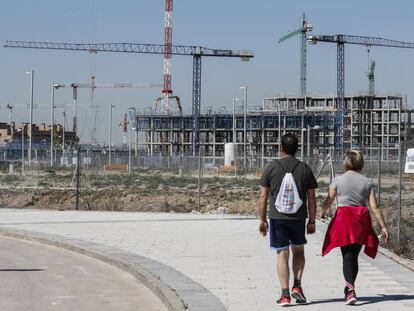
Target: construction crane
306, 27
197, 52
11, 107
340, 41
94, 86
168, 40
371, 75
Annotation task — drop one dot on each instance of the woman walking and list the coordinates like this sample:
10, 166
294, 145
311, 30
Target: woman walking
351, 226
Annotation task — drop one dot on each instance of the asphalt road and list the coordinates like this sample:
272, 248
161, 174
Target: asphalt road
38, 277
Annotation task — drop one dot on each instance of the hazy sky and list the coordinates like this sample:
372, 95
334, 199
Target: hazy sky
227, 24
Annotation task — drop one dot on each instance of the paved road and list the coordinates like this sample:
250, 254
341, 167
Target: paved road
226, 255
36, 277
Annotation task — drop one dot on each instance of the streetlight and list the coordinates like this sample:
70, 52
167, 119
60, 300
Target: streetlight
245, 128
129, 149
63, 132
234, 131
22, 131
52, 116
31, 73
110, 134
234, 121
308, 130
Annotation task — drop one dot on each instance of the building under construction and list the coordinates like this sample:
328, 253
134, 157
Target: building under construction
371, 123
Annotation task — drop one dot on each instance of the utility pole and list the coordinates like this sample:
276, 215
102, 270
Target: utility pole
22, 148
379, 174
63, 132
31, 73
78, 175
245, 129
129, 150
234, 122
399, 191
234, 134
308, 152
279, 131
110, 135
52, 116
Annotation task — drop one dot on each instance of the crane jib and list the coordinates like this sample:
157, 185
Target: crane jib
130, 48
362, 40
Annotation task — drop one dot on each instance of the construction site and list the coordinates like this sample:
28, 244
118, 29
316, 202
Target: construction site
372, 123
207, 160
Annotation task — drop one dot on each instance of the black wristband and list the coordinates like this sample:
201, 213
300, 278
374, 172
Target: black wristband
311, 222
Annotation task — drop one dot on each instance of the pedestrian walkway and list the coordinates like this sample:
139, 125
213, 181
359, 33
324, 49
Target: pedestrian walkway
37, 277
226, 255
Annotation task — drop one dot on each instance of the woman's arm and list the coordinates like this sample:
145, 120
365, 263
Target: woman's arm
378, 213
328, 201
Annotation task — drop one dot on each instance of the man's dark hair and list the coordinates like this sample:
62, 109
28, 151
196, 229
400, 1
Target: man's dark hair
290, 144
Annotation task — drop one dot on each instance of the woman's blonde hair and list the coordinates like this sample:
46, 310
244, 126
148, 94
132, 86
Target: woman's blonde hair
354, 161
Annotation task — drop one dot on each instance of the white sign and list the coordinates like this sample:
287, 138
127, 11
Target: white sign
409, 163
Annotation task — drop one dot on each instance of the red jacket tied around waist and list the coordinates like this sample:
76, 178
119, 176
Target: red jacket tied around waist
351, 225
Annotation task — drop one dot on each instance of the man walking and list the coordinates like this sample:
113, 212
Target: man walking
287, 224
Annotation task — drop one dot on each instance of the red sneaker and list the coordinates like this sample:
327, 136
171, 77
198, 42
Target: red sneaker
284, 301
297, 293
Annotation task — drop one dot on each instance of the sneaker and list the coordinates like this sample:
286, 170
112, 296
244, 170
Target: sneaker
297, 293
284, 301
350, 298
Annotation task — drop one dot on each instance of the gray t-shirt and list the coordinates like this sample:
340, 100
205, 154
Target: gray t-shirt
352, 189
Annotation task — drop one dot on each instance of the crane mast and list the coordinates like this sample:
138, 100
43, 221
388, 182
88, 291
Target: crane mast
305, 27
371, 75
168, 48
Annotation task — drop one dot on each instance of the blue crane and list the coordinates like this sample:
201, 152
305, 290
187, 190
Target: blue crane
340, 41
306, 27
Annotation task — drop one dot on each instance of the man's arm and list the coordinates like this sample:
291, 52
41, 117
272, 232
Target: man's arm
264, 195
312, 210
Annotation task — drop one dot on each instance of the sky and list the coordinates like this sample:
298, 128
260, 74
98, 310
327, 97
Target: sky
224, 24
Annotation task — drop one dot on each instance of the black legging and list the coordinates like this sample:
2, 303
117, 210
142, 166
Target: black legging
350, 263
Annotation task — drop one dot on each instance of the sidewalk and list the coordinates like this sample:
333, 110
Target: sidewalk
226, 255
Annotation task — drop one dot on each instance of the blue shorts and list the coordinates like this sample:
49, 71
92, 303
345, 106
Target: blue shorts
285, 233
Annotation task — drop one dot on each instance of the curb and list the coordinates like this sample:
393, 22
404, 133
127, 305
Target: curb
175, 290
405, 262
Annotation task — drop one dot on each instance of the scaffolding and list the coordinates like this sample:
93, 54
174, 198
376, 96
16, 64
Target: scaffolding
370, 122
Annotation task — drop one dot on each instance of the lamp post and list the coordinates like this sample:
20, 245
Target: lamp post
22, 131
52, 116
279, 133
245, 128
31, 73
129, 149
63, 132
234, 120
110, 134
234, 132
